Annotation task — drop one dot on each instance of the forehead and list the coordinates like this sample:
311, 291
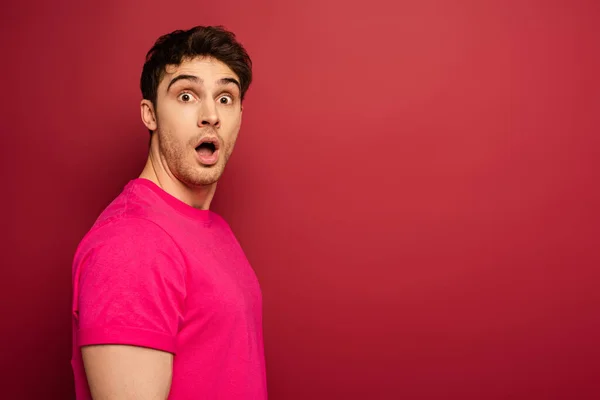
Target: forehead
208, 69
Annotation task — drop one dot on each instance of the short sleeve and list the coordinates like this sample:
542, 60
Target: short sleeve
129, 286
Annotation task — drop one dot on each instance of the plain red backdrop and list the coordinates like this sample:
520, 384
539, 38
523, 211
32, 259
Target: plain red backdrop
416, 185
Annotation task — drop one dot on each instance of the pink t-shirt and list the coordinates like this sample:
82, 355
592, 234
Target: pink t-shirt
158, 273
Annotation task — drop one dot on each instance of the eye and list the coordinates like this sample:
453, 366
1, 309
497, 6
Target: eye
226, 99
186, 97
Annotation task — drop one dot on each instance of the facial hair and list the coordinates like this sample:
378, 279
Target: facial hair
181, 159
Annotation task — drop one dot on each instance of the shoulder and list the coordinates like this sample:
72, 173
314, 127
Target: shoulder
127, 229
127, 238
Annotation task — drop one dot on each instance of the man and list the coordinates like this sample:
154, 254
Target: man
165, 303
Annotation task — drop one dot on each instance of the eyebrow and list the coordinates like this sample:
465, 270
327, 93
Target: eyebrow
195, 79
225, 81
192, 78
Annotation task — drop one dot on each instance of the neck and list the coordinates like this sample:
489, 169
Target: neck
199, 197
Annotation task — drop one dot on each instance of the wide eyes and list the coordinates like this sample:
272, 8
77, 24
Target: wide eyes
225, 99
187, 97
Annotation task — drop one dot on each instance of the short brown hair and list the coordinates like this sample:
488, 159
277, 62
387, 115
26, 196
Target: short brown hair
177, 46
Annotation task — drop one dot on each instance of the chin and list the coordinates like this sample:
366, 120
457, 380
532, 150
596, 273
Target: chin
197, 174
208, 177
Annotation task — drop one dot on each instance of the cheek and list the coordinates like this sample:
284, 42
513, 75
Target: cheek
173, 111
178, 122
230, 128
231, 118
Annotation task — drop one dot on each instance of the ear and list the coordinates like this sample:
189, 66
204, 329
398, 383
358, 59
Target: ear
148, 114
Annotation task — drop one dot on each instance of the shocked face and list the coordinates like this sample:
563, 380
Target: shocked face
198, 115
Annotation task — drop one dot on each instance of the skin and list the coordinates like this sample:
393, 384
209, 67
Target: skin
188, 110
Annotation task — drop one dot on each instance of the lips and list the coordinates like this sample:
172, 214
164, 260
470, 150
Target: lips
208, 150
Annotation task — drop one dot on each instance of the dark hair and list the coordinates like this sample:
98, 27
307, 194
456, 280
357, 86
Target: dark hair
177, 46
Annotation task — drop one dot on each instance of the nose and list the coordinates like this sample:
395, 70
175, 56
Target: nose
209, 115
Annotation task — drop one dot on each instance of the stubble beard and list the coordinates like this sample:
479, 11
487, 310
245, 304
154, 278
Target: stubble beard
182, 162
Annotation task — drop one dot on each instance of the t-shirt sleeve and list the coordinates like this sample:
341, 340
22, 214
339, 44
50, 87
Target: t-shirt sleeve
129, 286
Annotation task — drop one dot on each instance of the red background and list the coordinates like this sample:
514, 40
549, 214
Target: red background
416, 185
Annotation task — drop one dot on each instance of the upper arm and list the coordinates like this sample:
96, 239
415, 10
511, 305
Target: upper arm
129, 295
117, 372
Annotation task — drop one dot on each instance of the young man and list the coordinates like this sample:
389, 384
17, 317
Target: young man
165, 303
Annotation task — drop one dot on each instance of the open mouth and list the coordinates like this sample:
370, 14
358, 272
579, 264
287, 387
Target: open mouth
207, 151
206, 148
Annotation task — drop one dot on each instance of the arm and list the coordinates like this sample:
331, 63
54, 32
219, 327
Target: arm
117, 372
129, 294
